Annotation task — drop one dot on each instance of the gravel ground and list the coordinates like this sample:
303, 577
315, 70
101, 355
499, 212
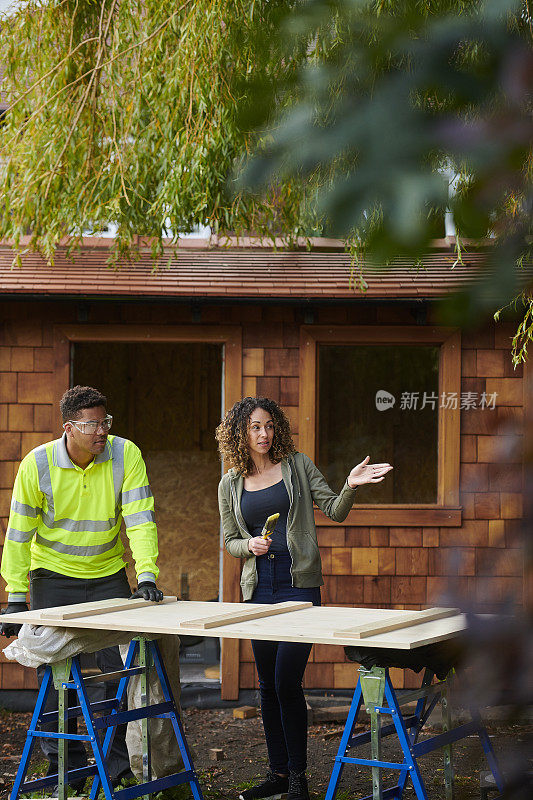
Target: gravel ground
245, 756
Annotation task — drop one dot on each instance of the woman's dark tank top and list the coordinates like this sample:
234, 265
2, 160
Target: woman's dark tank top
257, 506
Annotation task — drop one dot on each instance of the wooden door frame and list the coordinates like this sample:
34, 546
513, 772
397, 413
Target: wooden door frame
230, 336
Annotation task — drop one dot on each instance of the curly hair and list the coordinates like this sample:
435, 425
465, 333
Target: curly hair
232, 434
79, 397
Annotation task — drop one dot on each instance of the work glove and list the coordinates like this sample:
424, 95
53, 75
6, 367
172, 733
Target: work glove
11, 628
147, 590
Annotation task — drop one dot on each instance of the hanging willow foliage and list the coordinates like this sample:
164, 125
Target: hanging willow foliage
125, 111
135, 113
407, 94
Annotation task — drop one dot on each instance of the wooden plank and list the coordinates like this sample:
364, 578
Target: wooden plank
406, 620
229, 618
61, 378
382, 334
230, 669
230, 666
151, 333
232, 336
307, 392
420, 516
449, 451
96, 607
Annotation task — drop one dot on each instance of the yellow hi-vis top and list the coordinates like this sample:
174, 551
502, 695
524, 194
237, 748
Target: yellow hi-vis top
67, 519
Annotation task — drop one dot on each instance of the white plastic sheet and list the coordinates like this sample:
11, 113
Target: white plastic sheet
42, 644
166, 756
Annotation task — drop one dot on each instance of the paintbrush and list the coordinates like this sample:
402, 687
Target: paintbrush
269, 526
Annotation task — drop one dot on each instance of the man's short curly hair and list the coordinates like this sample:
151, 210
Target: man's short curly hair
232, 434
79, 397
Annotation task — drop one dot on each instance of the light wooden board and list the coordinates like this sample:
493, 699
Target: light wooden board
96, 607
252, 612
312, 625
405, 619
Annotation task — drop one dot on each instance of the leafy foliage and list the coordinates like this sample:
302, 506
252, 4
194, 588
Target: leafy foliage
405, 94
127, 112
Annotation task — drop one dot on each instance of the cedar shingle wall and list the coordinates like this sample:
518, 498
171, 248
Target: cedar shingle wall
375, 566
26, 364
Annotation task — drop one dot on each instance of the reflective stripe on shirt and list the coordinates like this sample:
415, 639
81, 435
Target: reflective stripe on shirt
77, 550
45, 480
80, 525
19, 536
136, 494
25, 510
138, 518
117, 450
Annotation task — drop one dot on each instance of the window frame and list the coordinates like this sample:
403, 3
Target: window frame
446, 511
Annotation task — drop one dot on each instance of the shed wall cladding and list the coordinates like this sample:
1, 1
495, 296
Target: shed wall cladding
396, 567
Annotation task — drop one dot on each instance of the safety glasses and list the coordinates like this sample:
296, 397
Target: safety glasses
91, 426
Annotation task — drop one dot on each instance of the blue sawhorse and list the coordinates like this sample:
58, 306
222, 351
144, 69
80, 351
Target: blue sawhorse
67, 675
375, 689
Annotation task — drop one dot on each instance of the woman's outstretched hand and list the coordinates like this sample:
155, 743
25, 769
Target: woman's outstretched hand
259, 546
367, 473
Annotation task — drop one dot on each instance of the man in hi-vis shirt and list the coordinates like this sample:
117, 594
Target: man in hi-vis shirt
63, 537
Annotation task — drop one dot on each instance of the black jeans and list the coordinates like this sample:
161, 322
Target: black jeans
281, 667
49, 589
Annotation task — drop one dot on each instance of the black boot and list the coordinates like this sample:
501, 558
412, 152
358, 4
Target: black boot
298, 786
273, 786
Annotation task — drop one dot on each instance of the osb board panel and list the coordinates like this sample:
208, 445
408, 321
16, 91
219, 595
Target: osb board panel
315, 624
188, 524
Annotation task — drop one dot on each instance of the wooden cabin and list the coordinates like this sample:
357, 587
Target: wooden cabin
358, 372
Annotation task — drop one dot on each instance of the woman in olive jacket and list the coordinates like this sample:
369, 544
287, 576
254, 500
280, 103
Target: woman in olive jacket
268, 476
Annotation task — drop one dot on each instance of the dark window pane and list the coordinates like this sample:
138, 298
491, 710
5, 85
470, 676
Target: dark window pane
351, 426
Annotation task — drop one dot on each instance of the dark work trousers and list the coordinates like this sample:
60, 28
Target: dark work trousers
281, 667
49, 589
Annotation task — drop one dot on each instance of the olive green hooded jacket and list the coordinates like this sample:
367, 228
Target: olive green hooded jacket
304, 484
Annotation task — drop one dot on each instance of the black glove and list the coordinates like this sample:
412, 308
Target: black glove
12, 628
147, 590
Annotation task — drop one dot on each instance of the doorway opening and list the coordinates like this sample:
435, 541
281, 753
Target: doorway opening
167, 398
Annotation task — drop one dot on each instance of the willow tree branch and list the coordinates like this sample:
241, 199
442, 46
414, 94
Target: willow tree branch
85, 74
83, 102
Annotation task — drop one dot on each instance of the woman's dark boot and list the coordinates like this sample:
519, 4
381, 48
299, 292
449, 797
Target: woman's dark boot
273, 786
298, 786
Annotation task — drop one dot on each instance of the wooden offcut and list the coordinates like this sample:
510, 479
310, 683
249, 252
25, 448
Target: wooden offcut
246, 615
324, 714
96, 607
245, 712
398, 621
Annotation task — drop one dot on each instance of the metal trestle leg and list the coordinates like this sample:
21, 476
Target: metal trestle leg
374, 687
67, 675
